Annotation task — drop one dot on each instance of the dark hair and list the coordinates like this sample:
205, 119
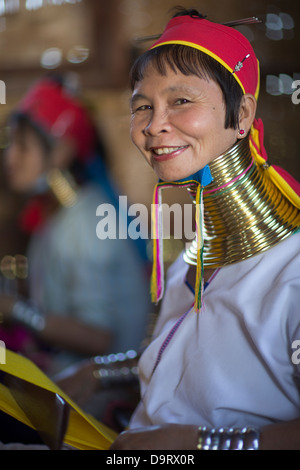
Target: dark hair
181, 11
190, 61
23, 123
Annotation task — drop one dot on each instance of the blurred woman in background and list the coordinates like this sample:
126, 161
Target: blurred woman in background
85, 296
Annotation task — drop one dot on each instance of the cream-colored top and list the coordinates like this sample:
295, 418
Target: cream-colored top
230, 365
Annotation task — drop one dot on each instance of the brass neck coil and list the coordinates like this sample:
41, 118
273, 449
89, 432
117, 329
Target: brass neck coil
244, 211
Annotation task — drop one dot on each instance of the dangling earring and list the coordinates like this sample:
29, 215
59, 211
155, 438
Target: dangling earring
63, 186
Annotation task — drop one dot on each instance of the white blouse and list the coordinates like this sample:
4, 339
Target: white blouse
232, 364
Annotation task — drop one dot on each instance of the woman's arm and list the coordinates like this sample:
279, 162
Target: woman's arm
61, 331
281, 436
162, 437
73, 335
81, 380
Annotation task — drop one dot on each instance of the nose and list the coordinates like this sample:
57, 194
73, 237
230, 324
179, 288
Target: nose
10, 154
158, 123
11, 157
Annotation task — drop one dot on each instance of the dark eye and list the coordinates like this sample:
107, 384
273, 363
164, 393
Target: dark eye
144, 107
182, 101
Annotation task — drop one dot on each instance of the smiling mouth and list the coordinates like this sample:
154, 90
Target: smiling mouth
167, 152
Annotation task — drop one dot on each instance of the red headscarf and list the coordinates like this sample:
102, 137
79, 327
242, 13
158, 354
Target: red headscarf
51, 107
225, 44
59, 114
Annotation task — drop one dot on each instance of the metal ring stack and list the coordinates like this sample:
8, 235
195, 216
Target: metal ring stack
244, 211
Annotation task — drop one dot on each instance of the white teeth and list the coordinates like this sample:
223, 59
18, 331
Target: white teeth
166, 150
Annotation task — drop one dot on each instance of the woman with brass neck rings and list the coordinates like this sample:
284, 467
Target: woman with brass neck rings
78, 285
220, 372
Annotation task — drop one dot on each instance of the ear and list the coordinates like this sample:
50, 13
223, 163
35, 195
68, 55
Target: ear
63, 154
247, 114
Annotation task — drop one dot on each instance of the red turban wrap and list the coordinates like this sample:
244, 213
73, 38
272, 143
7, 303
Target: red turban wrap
59, 114
226, 45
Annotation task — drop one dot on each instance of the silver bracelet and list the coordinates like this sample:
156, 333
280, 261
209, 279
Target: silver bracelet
114, 358
228, 438
22, 312
116, 377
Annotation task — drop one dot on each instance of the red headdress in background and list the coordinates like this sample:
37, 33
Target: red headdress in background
50, 106
57, 113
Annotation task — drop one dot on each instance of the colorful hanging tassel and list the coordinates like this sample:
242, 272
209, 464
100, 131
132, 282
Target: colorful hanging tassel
157, 279
200, 243
288, 186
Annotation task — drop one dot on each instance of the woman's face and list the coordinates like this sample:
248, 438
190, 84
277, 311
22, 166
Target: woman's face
25, 160
178, 123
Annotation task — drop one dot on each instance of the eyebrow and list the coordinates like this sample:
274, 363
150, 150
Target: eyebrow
136, 97
180, 88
